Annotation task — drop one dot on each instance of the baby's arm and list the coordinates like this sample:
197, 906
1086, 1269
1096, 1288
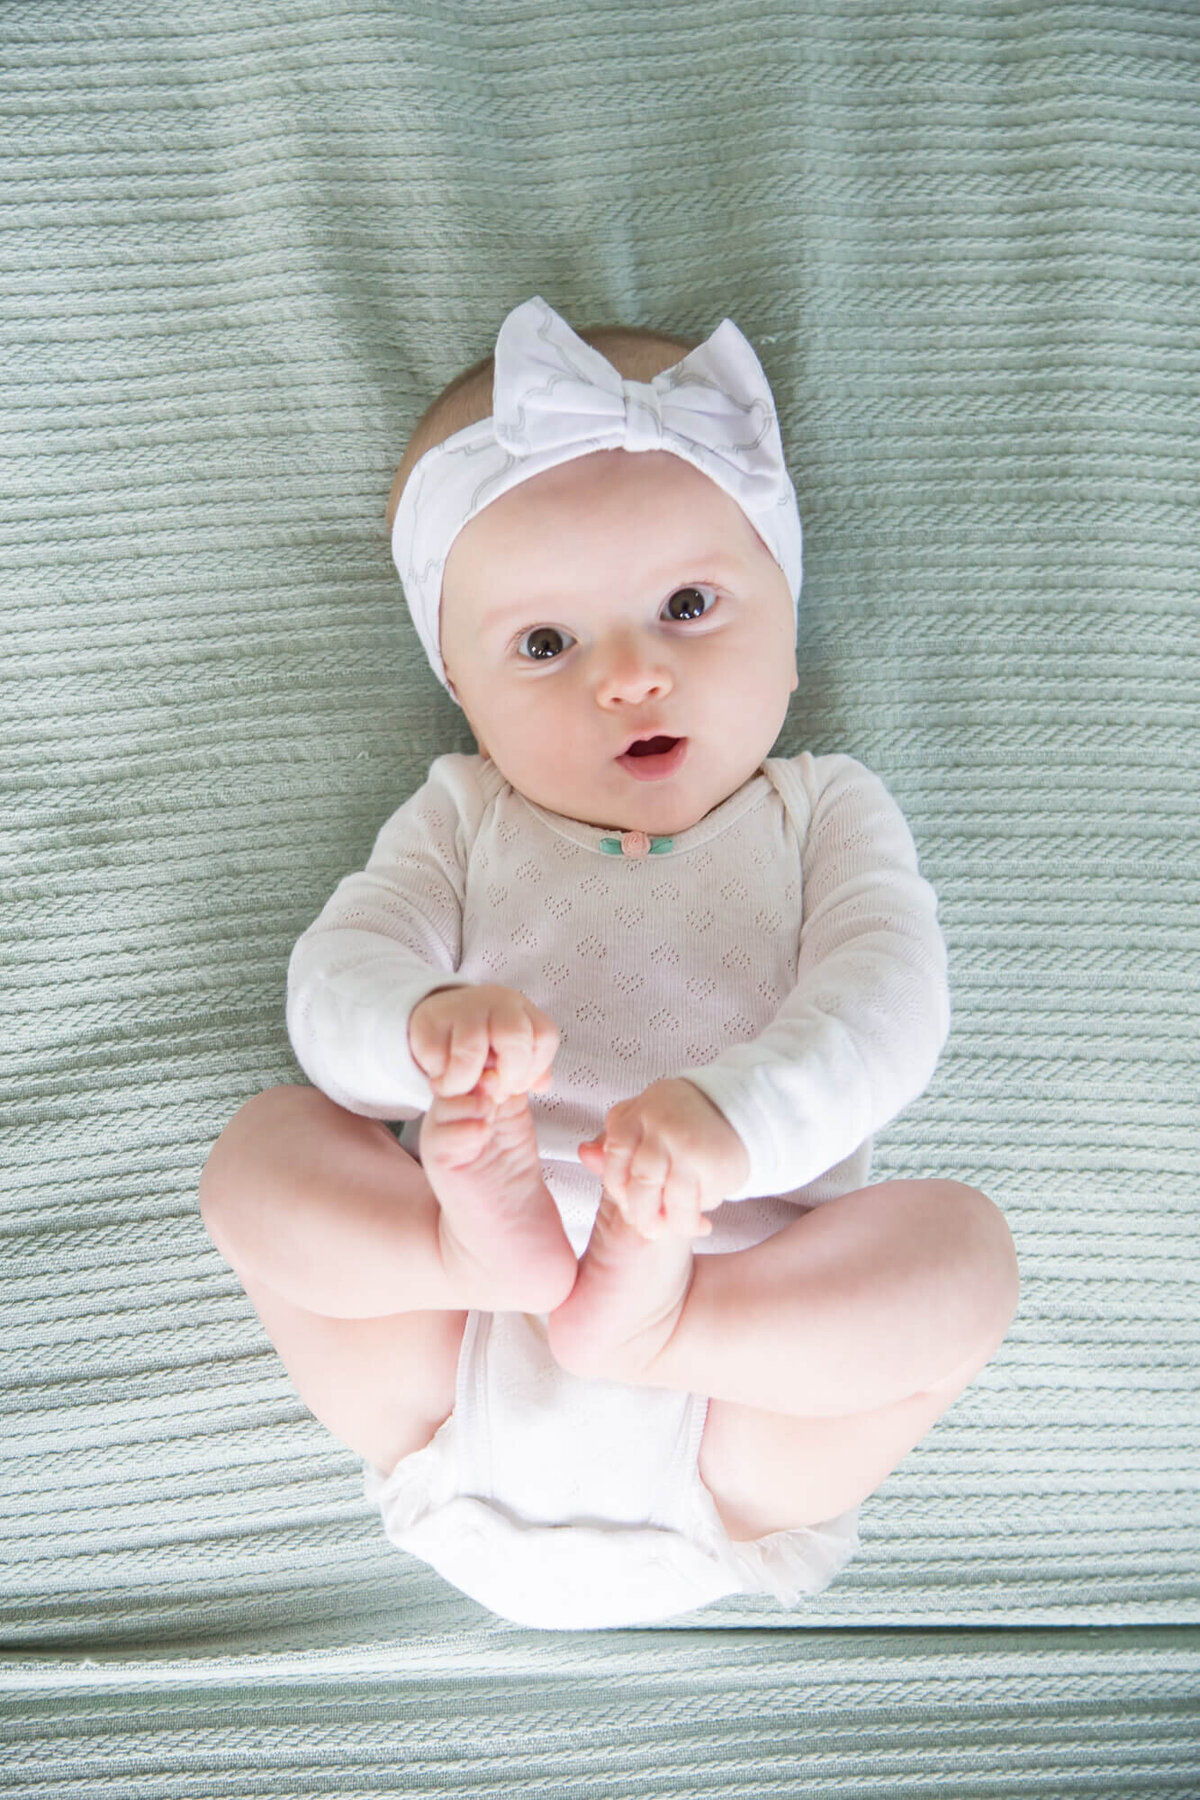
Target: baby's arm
388, 936
859, 1036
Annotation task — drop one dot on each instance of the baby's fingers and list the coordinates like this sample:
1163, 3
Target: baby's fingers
646, 1189
682, 1216
684, 1208
466, 1058
525, 1047
546, 1039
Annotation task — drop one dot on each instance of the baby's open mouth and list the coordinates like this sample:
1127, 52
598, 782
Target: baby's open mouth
656, 746
655, 758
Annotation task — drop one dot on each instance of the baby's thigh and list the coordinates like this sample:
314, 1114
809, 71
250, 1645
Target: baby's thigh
383, 1386
773, 1472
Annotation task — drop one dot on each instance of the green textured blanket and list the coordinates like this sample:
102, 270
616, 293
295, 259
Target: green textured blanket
244, 246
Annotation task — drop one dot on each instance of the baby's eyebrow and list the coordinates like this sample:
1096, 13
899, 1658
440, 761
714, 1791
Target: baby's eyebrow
506, 615
693, 567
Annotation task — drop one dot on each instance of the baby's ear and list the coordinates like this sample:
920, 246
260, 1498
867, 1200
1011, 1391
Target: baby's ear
479, 743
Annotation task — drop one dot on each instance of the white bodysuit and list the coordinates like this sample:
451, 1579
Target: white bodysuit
784, 955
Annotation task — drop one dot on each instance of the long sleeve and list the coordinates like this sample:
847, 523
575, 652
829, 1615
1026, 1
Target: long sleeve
860, 1034
388, 936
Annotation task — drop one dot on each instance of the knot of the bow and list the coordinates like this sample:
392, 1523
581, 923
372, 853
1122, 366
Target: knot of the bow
552, 392
643, 416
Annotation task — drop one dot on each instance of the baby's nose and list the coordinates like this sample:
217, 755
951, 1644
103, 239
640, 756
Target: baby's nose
633, 671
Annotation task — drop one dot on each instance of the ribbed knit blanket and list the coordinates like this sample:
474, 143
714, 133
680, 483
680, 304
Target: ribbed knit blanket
244, 245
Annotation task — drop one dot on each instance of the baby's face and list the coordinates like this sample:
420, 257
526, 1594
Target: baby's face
617, 596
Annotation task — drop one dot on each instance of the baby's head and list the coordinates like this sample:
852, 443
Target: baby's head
612, 594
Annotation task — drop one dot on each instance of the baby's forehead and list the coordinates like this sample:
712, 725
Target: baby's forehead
657, 488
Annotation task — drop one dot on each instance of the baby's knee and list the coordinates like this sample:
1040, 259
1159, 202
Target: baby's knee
996, 1271
246, 1148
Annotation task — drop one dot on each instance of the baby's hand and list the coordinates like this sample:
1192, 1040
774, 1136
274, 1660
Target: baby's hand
667, 1157
490, 1037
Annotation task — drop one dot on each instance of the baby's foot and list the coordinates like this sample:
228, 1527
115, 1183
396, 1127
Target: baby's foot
626, 1302
503, 1244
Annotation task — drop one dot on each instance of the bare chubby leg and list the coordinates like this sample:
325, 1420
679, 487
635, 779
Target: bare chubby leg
870, 1298
360, 1279
328, 1210
383, 1386
771, 1471
827, 1351
325, 1208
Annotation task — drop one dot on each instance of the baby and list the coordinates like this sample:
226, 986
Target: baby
618, 1324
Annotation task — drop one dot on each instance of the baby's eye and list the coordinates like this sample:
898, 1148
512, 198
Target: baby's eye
546, 642
541, 650
693, 602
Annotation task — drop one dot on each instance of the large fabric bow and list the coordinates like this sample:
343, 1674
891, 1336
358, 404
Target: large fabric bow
552, 390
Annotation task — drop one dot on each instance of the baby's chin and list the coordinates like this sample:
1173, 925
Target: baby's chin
661, 816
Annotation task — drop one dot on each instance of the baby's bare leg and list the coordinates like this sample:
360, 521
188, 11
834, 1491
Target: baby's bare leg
299, 1197
770, 1471
872, 1297
828, 1351
325, 1208
869, 1298
383, 1386
341, 1245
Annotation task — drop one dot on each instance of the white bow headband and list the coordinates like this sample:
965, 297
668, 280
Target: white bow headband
554, 397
